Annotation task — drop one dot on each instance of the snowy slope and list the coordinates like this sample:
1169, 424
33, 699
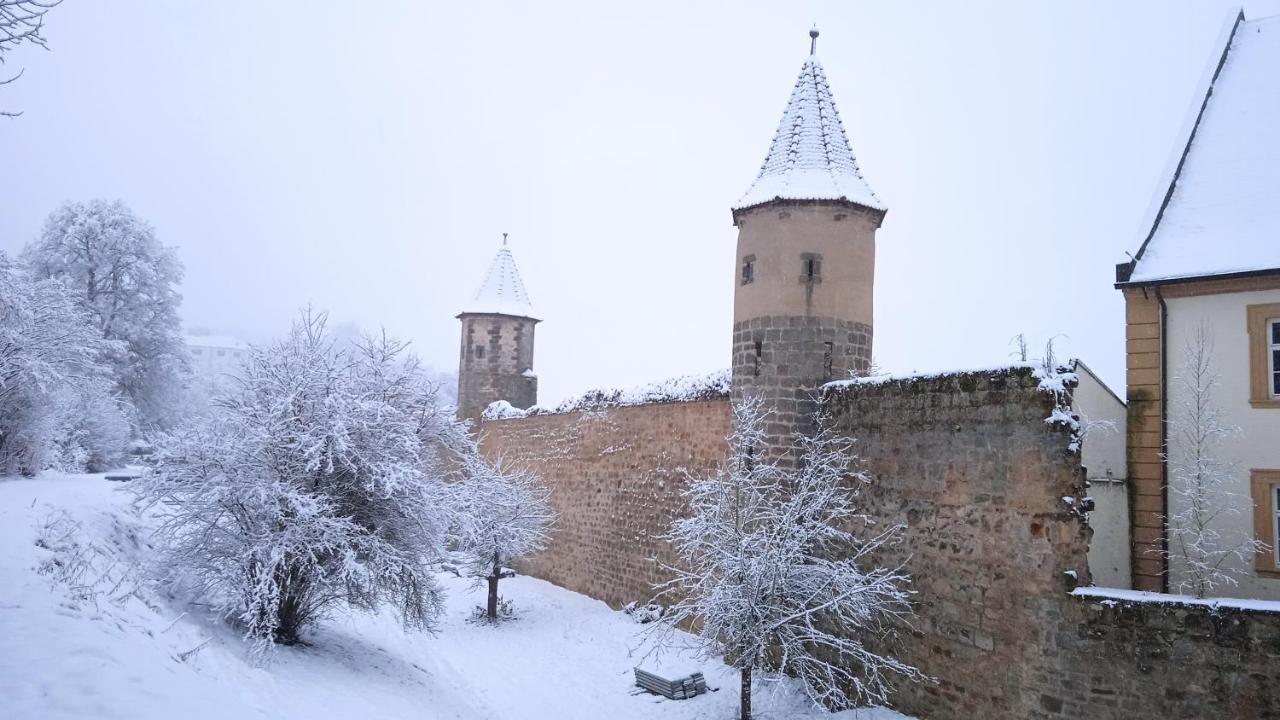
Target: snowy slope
79, 653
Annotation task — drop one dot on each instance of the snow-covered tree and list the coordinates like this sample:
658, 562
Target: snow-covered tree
56, 406
504, 514
777, 570
322, 478
1205, 545
127, 282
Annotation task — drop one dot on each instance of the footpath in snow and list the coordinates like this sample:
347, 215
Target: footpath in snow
81, 638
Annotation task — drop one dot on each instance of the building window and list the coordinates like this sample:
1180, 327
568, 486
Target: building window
479, 352
1273, 350
748, 269
222, 353
197, 351
756, 358
810, 268
827, 360
1264, 355
1265, 489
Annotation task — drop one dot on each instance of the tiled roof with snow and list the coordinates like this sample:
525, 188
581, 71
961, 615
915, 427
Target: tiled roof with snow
502, 291
810, 157
1218, 211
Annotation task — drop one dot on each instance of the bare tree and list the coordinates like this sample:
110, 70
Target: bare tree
1203, 540
21, 21
777, 570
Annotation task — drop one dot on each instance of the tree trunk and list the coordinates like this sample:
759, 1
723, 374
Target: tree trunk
493, 588
745, 696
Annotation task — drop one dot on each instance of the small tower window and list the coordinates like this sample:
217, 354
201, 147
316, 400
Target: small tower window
748, 269
826, 360
756, 359
810, 268
479, 352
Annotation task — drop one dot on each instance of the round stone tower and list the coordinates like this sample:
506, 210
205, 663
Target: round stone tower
805, 273
495, 361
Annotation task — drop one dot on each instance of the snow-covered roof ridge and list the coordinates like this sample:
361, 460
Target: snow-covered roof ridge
1214, 213
502, 291
810, 157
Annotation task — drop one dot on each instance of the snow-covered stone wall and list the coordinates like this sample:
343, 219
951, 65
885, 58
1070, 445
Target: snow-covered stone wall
995, 537
615, 474
992, 498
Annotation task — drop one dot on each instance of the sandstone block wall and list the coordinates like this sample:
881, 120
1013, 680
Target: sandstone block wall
987, 494
1122, 659
615, 479
495, 362
785, 359
968, 466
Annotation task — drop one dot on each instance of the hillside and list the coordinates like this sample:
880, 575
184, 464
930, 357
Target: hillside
82, 637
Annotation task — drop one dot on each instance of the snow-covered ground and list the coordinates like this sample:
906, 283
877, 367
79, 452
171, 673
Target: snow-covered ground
75, 642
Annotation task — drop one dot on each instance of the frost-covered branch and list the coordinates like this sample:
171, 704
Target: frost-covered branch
1205, 542
776, 569
323, 479
504, 514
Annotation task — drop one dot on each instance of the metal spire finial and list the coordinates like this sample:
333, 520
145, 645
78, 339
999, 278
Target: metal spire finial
813, 40
504, 239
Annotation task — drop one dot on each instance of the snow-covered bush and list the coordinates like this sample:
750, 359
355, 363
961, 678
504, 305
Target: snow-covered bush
126, 282
321, 479
776, 570
504, 513
56, 406
1204, 544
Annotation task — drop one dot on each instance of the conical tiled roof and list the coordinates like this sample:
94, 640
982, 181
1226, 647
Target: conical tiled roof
810, 157
502, 291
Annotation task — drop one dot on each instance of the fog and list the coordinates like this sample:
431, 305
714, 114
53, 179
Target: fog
365, 158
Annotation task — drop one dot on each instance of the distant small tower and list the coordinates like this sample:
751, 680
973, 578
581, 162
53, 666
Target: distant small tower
805, 268
495, 361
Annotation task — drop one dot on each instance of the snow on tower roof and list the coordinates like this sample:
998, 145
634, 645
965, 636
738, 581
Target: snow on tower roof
1217, 211
502, 291
810, 157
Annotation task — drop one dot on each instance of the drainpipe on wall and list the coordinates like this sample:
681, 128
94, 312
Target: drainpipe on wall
1164, 440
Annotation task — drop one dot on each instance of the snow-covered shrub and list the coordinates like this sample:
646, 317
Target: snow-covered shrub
644, 613
322, 479
126, 281
504, 513
1204, 542
776, 570
56, 406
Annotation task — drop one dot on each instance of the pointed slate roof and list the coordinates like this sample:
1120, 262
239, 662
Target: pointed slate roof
810, 157
502, 291
1216, 212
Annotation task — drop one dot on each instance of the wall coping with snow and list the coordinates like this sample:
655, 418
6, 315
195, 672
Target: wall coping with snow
1120, 597
685, 388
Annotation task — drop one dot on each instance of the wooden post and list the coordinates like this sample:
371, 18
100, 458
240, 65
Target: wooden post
745, 697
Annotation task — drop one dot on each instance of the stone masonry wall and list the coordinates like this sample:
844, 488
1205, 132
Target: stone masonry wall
987, 492
969, 468
615, 479
495, 362
784, 360
993, 539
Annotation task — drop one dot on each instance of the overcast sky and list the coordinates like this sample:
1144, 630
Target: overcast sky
366, 157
